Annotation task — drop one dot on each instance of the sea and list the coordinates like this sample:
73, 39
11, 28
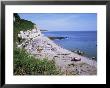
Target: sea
85, 41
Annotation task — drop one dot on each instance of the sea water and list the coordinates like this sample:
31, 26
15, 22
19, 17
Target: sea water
85, 41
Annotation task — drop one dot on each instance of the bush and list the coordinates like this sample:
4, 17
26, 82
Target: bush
21, 25
24, 64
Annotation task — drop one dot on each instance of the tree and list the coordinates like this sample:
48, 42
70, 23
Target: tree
17, 17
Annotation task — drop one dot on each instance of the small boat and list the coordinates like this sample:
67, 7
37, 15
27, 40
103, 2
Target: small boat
76, 59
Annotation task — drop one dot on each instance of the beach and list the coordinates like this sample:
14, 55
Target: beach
69, 63
84, 41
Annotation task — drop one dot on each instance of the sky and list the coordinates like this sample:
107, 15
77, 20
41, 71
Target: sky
63, 21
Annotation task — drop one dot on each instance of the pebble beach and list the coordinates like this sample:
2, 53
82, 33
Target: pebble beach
68, 62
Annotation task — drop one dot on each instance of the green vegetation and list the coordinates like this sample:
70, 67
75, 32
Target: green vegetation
21, 25
24, 63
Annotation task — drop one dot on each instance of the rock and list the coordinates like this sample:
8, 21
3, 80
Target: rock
71, 64
93, 58
53, 38
78, 52
19, 46
27, 36
76, 59
64, 54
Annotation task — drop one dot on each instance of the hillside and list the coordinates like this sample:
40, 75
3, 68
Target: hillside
21, 25
24, 63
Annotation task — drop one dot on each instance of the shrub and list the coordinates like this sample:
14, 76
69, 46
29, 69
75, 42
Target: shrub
24, 64
21, 25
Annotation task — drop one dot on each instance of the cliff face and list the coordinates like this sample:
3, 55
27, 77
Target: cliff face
30, 34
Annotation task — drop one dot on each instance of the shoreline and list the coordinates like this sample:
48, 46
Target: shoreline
79, 52
42, 47
73, 42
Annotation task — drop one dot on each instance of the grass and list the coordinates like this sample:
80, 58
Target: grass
24, 63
